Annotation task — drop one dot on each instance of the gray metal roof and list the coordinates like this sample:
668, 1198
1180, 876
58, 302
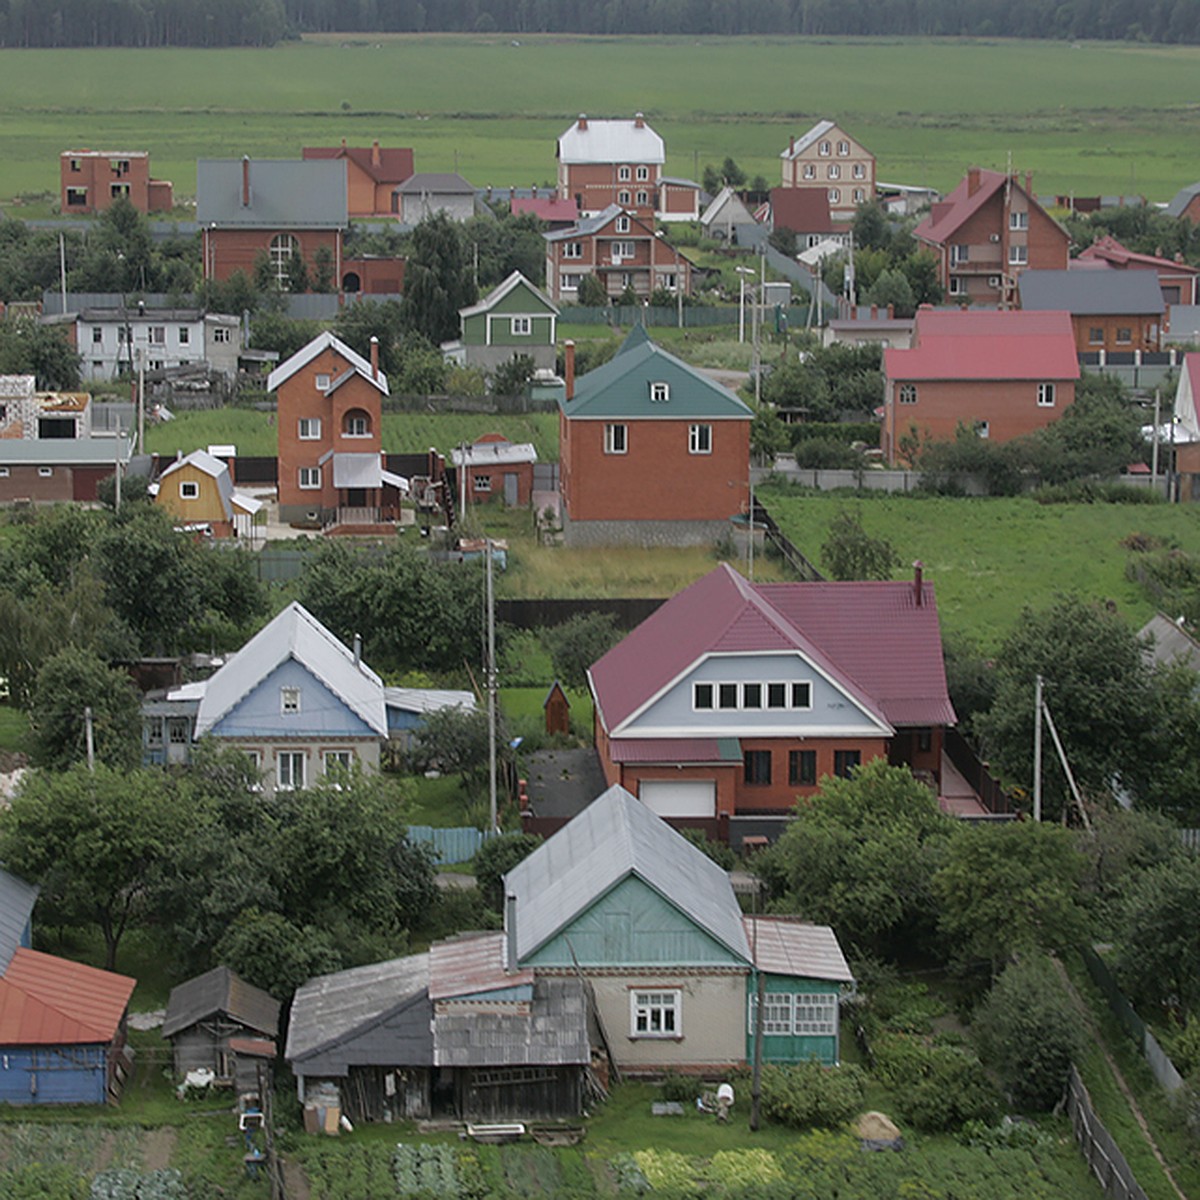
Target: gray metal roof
1182, 199
586, 226
17, 899
220, 991
295, 633
820, 129
64, 452
287, 194
330, 1009
1092, 292
553, 1033
787, 946
616, 836
1185, 323
435, 183
1170, 642
607, 141
427, 700
212, 467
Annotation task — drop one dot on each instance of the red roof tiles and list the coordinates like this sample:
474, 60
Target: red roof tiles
45, 1000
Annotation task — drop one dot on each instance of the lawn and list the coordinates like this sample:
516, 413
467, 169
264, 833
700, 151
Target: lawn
989, 558
14, 729
1088, 118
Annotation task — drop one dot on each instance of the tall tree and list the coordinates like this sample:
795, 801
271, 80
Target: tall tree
438, 280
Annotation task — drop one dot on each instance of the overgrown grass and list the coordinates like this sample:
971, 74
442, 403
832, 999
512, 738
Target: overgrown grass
14, 729
989, 558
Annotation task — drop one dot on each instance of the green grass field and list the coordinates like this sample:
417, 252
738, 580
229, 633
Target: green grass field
1086, 117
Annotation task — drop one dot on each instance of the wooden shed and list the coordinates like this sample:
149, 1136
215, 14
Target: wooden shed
558, 709
218, 1022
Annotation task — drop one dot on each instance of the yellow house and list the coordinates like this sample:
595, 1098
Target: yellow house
198, 493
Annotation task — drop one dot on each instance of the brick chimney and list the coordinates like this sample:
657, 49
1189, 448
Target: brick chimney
374, 358
376, 156
639, 121
1029, 184
533, 192
972, 180
245, 181
582, 123
919, 583
792, 144
569, 368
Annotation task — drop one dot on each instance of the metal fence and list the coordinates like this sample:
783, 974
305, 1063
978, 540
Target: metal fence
696, 317
1103, 1155
1191, 839
456, 845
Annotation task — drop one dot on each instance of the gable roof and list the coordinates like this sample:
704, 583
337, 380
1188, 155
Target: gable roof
615, 837
587, 226
210, 466
611, 141
986, 344
323, 341
220, 991
294, 634
1109, 251
725, 199
438, 183
545, 208
801, 209
284, 194
1186, 412
819, 130
1092, 293
46, 1000
786, 946
1182, 199
394, 166
515, 280
17, 899
948, 215
872, 639
621, 388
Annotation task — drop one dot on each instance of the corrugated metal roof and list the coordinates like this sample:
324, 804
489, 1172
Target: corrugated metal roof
46, 1000
554, 1033
784, 946
1092, 293
383, 164
96, 451
502, 289
284, 194
1107, 249
485, 454
589, 225
471, 963
545, 208
427, 700
306, 354
673, 750
801, 209
609, 141
215, 469
1182, 199
220, 991
444, 183
294, 634
802, 143
947, 215
617, 836
17, 899
1170, 642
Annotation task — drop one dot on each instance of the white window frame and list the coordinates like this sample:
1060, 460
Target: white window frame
255, 757
643, 174
622, 250
843, 149
520, 326
283, 247
572, 250
339, 760
957, 286
185, 335
810, 170
1045, 395
356, 425
795, 1014
859, 195
189, 489
622, 225
835, 171
616, 438
4, 472
97, 335
700, 439
45, 472
983, 430
709, 691
289, 701
823, 149
177, 731
643, 197
623, 174
321, 382
660, 393
622, 197
309, 479
221, 336
308, 429
906, 393
1018, 256
835, 195
1018, 220
482, 483
287, 777
859, 171
656, 1013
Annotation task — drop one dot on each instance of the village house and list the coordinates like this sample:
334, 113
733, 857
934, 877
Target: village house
622, 250
372, 175
198, 493
90, 181
1002, 374
602, 163
724, 214
496, 470
1111, 311
651, 451
986, 233
1179, 280
1185, 428
806, 213
829, 160
117, 341
420, 196
1185, 204
735, 699
514, 318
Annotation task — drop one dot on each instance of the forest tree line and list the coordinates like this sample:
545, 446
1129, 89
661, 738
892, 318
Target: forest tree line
264, 22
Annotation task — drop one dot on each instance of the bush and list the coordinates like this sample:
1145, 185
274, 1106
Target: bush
496, 857
1095, 491
809, 1095
719, 852
826, 454
938, 1087
680, 1088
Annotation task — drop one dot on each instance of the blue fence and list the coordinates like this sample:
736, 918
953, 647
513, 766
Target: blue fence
456, 845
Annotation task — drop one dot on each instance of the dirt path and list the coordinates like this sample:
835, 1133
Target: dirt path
158, 1147
295, 1182
1086, 1014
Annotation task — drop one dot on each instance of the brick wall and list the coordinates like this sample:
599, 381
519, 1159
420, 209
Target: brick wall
229, 250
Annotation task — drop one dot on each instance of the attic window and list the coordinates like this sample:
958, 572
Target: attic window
289, 700
322, 382
189, 490
660, 393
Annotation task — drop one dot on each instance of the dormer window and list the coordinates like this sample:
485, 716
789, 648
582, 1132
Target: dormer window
289, 701
622, 224
660, 393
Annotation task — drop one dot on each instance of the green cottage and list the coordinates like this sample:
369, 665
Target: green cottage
514, 318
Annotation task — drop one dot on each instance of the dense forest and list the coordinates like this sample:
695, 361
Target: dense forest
264, 22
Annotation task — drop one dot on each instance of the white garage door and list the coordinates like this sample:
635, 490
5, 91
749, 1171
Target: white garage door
679, 798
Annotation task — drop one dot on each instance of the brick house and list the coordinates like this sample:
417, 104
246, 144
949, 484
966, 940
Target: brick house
1110, 310
421, 196
1179, 280
735, 699
1185, 428
829, 160
986, 232
281, 209
651, 451
372, 175
91, 180
806, 213
497, 469
1002, 373
622, 249
1185, 204
329, 412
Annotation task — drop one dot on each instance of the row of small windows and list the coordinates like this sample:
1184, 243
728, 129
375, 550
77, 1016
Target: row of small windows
643, 174
825, 148
43, 472
758, 766
356, 423
834, 171
835, 195
616, 439
642, 197
752, 696
156, 335
787, 1014
906, 393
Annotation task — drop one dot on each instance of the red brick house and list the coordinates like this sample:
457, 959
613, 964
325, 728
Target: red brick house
602, 163
735, 699
827, 159
1179, 280
1004, 374
621, 249
497, 469
651, 451
1186, 204
1113, 311
91, 180
986, 232
282, 209
372, 175
331, 465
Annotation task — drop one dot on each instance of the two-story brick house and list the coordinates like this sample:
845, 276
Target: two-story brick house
329, 412
372, 175
603, 162
986, 232
828, 159
90, 181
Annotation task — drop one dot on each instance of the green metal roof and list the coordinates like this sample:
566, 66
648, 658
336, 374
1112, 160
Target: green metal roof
622, 387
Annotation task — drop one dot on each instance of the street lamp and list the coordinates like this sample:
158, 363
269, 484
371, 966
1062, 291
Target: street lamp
743, 272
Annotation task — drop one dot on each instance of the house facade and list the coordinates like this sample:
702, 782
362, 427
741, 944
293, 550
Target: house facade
420, 196
1111, 311
602, 163
829, 160
1003, 374
514, 318
806, 212
285, 210
622, 250
91, 181
734, 700
198, 493
114, 341
496, 470
1185, 428
1185, 204
329, 414
651, 451
372, 175
986, 233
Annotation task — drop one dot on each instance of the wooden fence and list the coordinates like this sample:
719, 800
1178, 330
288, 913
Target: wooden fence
1103, 1155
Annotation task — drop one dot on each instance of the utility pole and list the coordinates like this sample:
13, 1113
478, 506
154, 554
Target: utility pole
491, 687
89, 738
1154, 451
1037, 750
141, 399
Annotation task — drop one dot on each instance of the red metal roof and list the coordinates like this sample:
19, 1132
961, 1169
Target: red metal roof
987, 344
801, 209
46, 1000
947, 215
395, 164
546, 208
253, 1047
872, 639
666, 750
471, 964
1109, 251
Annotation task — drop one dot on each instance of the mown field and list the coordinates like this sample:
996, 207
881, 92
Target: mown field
1085, 117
